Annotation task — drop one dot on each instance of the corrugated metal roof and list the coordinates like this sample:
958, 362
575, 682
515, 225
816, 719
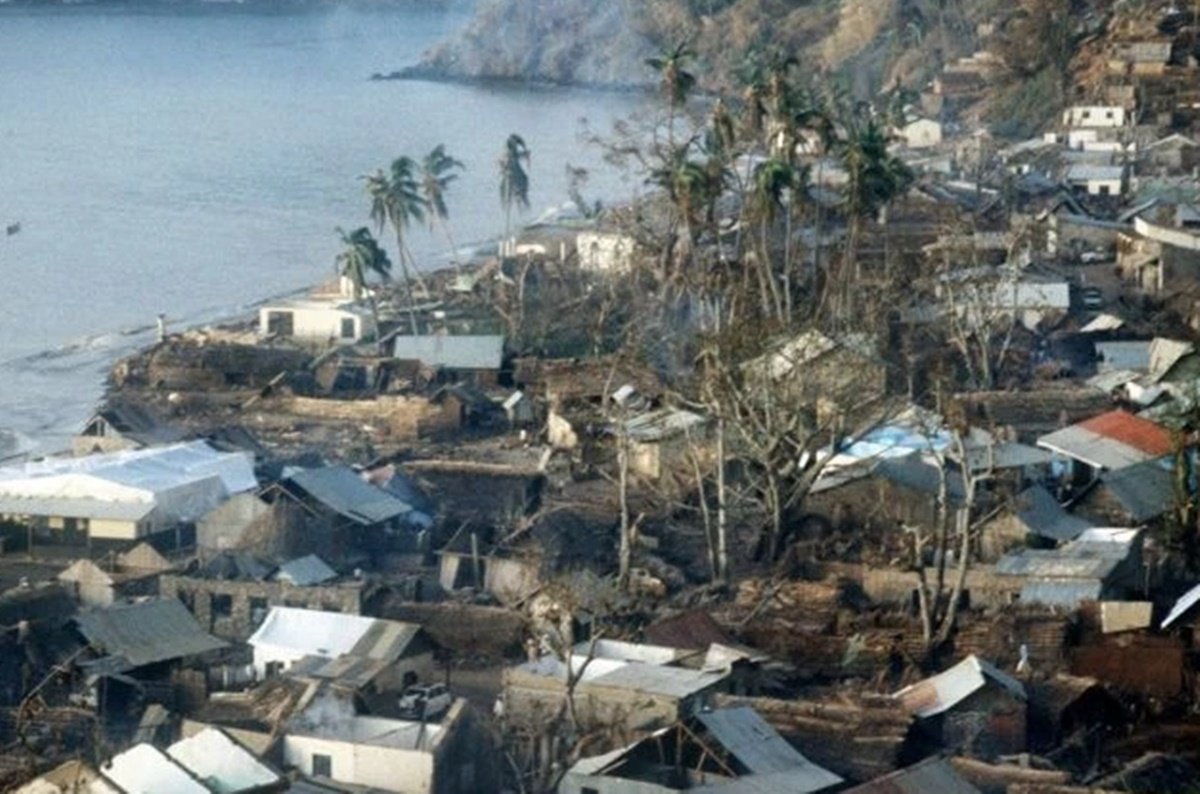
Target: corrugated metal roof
1141, 434
1112, 440
451, 352
340, 489
1185, 602
1043, 515
762, 750
1085, 172
221, 763
1101, 323
914, 473
947, 689
796, 781
385, 640
333, 634
663, 424
931, 776
1061, 592
1144, 491
146, 632
1166, 353
305, 571
1123, 355
675, 682
144, 769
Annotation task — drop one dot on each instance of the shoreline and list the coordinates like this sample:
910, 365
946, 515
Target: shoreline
431, 74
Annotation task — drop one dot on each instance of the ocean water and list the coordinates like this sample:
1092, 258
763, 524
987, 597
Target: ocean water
194, 162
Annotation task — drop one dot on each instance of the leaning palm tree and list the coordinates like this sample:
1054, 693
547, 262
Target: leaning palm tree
437, 172
396, 201
514, 178
361, 256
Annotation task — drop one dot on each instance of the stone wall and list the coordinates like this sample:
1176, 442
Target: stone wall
401, 417
232, 610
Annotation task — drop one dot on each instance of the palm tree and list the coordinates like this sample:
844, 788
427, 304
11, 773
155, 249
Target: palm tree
676, 81
437, 172
775, 182
514, 178
396, 200
362, 255
692, 186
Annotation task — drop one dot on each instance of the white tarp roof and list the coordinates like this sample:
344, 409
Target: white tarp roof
312, 632
186, 479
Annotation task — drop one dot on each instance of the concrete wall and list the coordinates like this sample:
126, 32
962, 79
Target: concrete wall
1098, 116
318, 322
605, 252
112, 529
384, 768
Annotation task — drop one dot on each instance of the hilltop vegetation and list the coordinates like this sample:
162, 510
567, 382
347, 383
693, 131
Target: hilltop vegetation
866, 43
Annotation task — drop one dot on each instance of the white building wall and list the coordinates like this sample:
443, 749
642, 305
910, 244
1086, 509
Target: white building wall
382, 768
605, 252
922, 134
1099, 116
113, 529
1104, 187
317, 322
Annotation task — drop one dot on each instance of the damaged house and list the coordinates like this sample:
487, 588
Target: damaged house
377, 655
639, 687
973, 707
137, 650
231, 594
726, 749
357, 516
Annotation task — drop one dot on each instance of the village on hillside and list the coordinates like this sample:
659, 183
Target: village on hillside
881, 479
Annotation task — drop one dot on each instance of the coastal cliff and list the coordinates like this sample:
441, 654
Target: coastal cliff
605, 42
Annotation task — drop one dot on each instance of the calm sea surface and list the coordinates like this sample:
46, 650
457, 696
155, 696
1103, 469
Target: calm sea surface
193, 163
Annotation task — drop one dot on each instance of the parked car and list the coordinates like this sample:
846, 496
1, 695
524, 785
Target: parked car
425, 700
1093, 298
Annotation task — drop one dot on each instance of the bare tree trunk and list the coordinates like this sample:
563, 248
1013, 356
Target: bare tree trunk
625, 556
722, 512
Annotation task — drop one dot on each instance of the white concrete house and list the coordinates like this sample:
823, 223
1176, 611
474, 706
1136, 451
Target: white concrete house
921, 134
317, 320
330, 741
605, 252
1095, 116
388, 655
1097, 180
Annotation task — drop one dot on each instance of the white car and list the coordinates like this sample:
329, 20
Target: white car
425, 700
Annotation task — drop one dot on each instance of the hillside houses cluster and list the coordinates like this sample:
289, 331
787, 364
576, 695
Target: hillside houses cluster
455, 542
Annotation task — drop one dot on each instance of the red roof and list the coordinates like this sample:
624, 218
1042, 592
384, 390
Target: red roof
1133, 431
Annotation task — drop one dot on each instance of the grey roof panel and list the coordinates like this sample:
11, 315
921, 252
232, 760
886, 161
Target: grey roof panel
1043, 515
344, 492
931, 776
451, 352
305, 571
146, 632
1145, 491
1061, 592
761, 749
